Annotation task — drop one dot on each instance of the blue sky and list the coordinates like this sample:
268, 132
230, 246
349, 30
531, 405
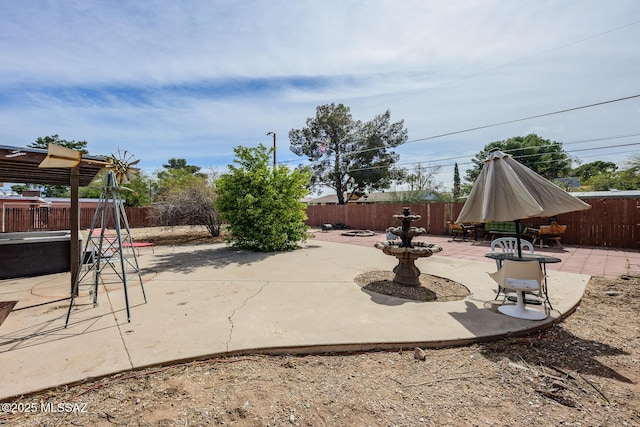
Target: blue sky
193, 79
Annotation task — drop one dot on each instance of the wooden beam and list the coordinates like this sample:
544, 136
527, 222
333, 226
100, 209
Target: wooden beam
75, 226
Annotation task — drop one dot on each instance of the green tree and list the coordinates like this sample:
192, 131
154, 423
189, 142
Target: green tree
181, 165
603, 181
609, 178
422, 184
135, 193
177, 174
349, 155
456, 183
43, 143
630, 175
19, 188
138, 191
587, 170
543, 156
262, 204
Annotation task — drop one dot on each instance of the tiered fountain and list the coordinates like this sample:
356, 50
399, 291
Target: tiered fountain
407, 252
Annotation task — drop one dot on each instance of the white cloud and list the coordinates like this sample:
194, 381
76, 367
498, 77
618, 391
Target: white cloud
193, 79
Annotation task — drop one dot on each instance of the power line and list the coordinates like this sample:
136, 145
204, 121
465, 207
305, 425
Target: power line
552, 160
500, 66
580, 141
436, 165
515, 157
503, 123
537, 116
542, 162
540, 146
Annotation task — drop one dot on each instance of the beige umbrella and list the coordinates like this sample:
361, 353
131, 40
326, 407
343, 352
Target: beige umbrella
509, 191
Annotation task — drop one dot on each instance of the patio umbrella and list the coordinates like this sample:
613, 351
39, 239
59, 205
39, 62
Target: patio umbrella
506, 190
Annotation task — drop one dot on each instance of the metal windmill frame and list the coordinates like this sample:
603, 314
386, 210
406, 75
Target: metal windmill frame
108, 254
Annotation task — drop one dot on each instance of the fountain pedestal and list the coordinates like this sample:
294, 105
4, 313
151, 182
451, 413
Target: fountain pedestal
406, 272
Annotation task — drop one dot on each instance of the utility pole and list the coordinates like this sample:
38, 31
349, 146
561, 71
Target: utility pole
274, 148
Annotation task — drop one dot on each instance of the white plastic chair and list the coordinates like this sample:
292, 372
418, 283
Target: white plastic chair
509, 245
520, 276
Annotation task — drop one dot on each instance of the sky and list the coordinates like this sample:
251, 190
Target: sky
194, 79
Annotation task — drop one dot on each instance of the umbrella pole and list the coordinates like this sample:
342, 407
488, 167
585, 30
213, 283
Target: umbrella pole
517, 221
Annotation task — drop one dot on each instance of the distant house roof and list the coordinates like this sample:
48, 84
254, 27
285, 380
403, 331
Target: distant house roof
378, 197
398, 196
330, 199
68, 200
22, 199
611, 194
18, 199
571, 182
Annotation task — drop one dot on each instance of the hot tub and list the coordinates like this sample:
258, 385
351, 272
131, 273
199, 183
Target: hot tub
34, 253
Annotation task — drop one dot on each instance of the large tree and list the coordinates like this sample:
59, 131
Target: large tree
261, 203
43, 143
346, 154
606, 176
543, 156
176, 175
587, 170
456, 183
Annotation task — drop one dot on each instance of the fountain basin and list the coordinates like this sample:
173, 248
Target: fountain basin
419, 249
406, 272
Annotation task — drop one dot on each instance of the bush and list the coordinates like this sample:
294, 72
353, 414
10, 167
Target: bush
193, 205
261, 203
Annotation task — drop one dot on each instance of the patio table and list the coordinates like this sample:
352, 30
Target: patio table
542, 259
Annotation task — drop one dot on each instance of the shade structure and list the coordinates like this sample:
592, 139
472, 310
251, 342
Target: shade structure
506, 190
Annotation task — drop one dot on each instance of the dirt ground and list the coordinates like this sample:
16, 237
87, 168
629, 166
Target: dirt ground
581, 372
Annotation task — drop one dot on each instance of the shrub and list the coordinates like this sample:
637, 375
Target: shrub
193, 205
261, 203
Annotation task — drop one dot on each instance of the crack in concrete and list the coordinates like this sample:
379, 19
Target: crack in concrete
230, 318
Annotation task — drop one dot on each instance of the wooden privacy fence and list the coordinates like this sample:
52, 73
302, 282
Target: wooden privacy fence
51, 219
378, 216
609, 223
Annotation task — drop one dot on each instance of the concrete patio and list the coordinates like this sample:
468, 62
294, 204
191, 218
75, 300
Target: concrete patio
210, 300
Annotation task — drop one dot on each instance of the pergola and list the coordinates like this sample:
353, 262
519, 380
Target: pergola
20, 165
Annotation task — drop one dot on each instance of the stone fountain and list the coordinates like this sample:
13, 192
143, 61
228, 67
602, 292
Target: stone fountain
407, 252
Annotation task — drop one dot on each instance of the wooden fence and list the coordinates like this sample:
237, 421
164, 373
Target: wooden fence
45, 218
609, 223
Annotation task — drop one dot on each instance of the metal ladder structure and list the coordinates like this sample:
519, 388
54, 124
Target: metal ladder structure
109, 256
